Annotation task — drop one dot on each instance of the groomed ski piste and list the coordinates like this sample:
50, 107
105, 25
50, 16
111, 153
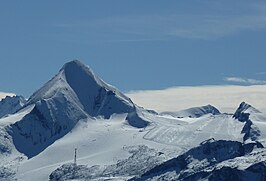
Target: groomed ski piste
115, 138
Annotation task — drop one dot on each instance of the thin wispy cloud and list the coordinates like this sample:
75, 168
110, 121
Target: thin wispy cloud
137, 40
261, 73
243, 80
157, 27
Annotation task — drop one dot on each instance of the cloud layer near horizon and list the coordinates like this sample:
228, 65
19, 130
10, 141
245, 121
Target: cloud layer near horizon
226, 98
4, 94
244, 80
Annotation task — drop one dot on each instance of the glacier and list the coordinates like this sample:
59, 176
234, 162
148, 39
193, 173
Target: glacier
119, 140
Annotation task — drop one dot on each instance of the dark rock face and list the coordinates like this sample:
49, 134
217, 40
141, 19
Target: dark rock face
250, 130
10, 105
75, 93
96, 96
240, 112
192, 164
5, 141
43, 126
223, 174
256, 171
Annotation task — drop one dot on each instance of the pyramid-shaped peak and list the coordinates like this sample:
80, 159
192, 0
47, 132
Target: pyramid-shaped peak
244, 108
75, 61
74, 64
75, 67
81, 78
77, 82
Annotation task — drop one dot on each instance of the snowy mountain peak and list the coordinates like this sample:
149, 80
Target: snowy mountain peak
79, 82
194, 112
244, 114
73, 63
11, 104
75, 70
75, 93
90, 89
243, 106
244, 109
78, 69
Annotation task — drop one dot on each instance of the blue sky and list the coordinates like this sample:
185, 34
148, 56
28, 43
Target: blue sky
134, 45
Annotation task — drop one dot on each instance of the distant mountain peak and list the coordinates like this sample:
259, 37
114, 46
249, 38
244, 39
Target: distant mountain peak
11, 104
242, 114
88, 87
244, 108
77, 83
75, 93
195, 112
73, 62
75, 66
75, 78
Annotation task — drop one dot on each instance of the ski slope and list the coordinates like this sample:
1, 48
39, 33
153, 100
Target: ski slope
187, 132
99, 142
103, 142
76, 109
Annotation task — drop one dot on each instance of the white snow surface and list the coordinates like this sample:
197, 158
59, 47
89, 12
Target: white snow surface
75, 93
11, 104
101, 141
76, 109
194, 112
80, 83
98, 142
9, 156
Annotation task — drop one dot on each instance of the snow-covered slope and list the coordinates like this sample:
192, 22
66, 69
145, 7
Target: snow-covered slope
10, 105
208, 162
9, 156
189, 132
194, 112
98, 142
255, 123
115, 138
221, 160
102, 145
169, 137
75, 93
83, 87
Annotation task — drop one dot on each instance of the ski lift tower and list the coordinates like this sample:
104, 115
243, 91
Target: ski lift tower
75, 157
